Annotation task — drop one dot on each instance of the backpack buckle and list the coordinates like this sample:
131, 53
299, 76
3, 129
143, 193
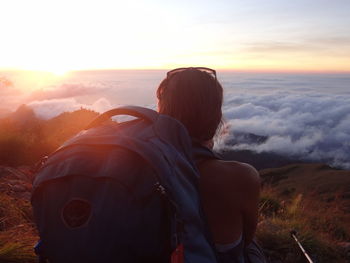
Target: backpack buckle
160, 188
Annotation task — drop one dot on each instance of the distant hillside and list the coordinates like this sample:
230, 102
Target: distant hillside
25, 139
57, 130
4, 113
260, 161
24, 116
317, 179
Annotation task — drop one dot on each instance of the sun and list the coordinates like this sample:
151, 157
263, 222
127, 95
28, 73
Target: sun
56, 69
59, 71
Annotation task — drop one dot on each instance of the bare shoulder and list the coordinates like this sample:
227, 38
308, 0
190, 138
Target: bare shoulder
230, 172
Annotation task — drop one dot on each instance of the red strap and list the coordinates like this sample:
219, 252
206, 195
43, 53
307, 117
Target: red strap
178, 254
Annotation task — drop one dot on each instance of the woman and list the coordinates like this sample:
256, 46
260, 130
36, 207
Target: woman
229, 189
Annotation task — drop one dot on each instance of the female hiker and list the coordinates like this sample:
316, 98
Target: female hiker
127, 192
229, 189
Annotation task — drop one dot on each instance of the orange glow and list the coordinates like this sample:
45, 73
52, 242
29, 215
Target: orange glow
30, 80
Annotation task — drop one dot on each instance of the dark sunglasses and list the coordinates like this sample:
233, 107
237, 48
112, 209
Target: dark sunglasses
177, 70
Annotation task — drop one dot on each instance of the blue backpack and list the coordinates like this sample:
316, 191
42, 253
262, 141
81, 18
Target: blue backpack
122, 192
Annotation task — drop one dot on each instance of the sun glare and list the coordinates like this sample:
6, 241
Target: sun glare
34, 79
55, 71
59, 71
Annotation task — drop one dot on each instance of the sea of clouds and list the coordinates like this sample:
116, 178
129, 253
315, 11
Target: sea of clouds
308, 127
305, 116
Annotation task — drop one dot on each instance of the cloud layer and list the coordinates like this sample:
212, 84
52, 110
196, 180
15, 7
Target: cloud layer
304, 116
68, 91
313, 127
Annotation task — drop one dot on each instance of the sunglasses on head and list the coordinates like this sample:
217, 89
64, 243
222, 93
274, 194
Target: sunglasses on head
177, 70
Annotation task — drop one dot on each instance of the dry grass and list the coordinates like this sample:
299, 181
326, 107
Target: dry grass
17, 233
320, 227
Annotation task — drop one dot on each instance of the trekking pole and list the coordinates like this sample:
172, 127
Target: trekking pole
293, 233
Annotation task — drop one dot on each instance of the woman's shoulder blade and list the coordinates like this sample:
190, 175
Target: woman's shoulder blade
229, 172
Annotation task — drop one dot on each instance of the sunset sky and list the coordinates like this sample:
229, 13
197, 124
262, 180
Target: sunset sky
58, 36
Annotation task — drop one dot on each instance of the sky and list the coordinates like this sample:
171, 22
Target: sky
262, 35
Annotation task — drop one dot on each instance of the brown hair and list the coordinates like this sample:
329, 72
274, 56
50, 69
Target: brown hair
193, 97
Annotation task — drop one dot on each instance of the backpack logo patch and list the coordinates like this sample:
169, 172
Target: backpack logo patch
76, 213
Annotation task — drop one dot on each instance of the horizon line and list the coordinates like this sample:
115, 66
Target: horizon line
166, 69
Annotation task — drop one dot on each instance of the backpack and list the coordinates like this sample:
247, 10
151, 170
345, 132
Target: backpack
122, 192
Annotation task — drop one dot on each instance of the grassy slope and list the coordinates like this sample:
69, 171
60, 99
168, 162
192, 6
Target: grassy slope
312, 199
309, 179
17, 235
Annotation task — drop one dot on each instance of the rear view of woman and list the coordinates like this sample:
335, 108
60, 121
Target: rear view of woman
229, 189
